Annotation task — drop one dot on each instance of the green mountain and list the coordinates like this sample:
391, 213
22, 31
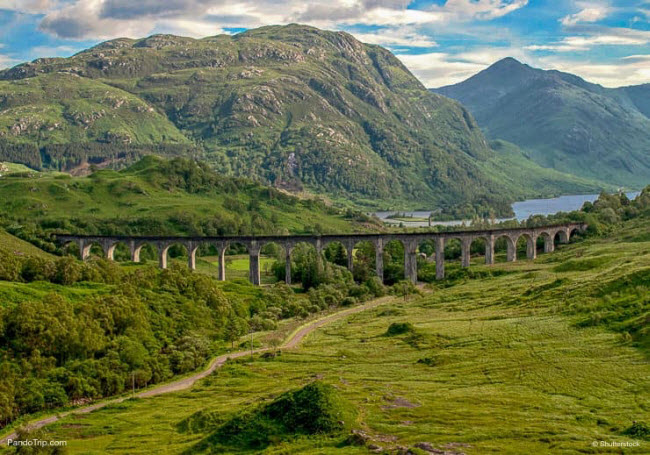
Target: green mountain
562, 121
293, 106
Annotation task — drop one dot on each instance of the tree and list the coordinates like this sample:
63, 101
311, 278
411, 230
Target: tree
335, 253
235, 328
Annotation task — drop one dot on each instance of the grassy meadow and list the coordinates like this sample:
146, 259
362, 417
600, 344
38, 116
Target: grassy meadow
547, 357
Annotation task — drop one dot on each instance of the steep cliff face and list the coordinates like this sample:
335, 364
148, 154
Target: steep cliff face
295, 106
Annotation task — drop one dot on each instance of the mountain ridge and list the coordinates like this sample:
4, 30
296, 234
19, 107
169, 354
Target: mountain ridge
293, 106
562, 120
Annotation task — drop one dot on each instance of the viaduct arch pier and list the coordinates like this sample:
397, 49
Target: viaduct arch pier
410, 241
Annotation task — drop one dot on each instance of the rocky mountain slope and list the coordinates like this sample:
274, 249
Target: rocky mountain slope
563, 121
294, 106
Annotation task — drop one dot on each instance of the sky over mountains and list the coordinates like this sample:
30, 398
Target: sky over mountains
442, 42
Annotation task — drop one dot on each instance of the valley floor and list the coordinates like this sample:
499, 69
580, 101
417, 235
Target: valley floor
495, 365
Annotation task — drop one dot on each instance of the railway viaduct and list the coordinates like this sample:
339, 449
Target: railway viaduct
410, 241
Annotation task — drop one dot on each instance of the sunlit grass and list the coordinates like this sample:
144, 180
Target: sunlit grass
498, 363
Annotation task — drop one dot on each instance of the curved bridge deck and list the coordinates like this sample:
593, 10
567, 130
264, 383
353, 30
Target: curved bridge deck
410, 241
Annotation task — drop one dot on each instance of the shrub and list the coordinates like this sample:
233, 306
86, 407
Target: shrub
399, 328
314, 409
638, 430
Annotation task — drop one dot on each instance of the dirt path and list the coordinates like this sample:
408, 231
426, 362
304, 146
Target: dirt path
292, 341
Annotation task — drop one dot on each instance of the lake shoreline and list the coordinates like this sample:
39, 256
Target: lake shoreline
522, 209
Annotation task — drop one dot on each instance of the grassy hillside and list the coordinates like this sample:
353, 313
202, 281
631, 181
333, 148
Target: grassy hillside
523, 176
62, 108
562, 121
160, 197
296, 106
546, 357
11, 168
10, 244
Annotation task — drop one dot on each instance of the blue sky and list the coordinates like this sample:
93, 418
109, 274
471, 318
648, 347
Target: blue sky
441, 41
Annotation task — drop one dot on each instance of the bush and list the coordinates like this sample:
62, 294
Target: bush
638, 430
399, 328
314, 409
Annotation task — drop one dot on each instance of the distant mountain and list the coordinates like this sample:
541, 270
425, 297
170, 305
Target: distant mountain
562, 121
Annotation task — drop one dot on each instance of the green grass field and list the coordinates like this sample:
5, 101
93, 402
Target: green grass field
14, 167
14, 245
513, 364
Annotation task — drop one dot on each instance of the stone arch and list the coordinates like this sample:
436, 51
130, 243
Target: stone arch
393, 253
364, 256
87, 246
271, 251
302, 252
427, 249
176, 247
143, 248
561, 235
510, 246
71, 248
119, 246
571, 231
233, 258
337, 252
548, 241
530, 245
478, 245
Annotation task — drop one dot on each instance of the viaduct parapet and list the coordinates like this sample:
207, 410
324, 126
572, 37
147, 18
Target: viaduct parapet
410, 241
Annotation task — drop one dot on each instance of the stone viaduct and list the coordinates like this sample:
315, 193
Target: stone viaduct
410, 241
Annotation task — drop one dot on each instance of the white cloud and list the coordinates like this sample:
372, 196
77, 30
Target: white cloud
436, 69
632, 70
591, 14
637, 57
192, 28
81, 20
29, 6
604, 36
54, 51
98, 19
396, 36
465, 10
7, 62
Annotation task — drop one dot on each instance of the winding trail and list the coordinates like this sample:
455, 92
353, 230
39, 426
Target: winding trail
185, 383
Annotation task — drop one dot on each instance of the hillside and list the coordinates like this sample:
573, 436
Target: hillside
554, 350
161, 197
294, 106
562, 121
11, 245
521, 175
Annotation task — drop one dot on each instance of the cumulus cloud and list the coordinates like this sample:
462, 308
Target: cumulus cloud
397, 36
437, 69
593, 14
464, 10
88, 19
601, 36
29, 6
632, 70
82, 20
